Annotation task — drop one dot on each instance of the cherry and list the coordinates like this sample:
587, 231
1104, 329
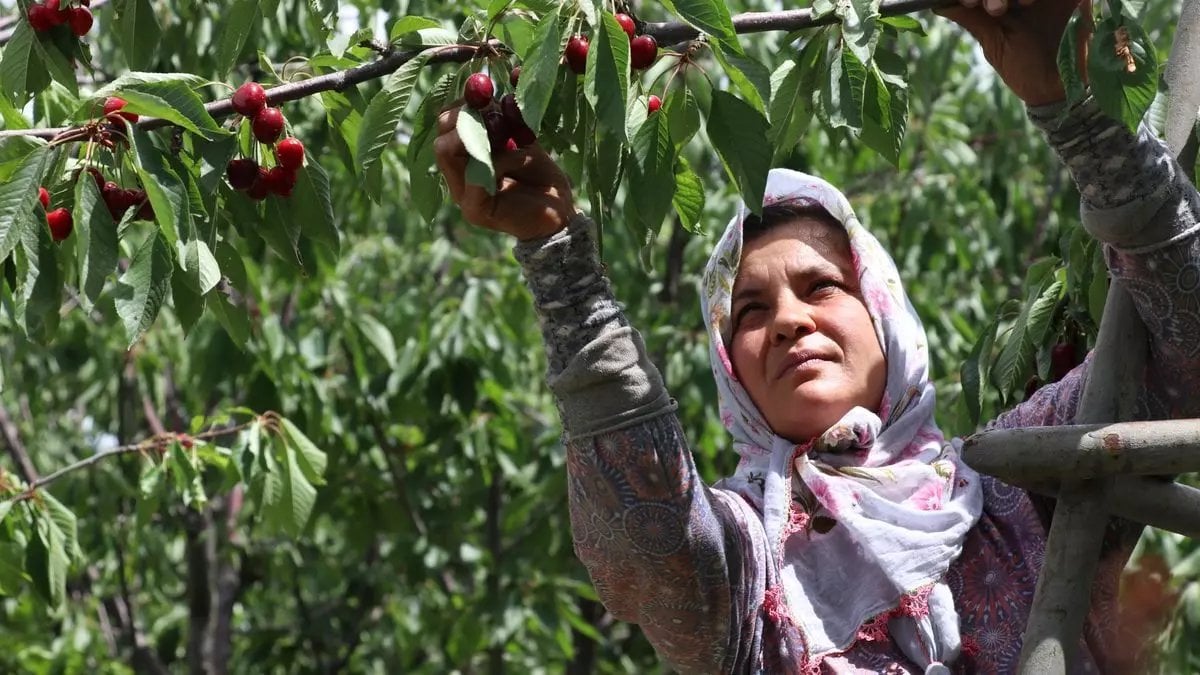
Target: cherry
58, 15
497, 129
146, 210
261, 187
280, 180
627, 24
98, 177
1062, 360
241, 173
81, 21
643, 50
41, 18
654, 105
510, 145
577, 52
514, 76
249, 99
60, 224
290, 153
515, 121
114, 103
267, 125
44, 197
479, 91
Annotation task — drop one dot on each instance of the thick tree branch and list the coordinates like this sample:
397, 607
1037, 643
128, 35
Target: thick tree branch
665, 33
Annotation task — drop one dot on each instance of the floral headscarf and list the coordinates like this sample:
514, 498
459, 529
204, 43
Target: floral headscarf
864, 538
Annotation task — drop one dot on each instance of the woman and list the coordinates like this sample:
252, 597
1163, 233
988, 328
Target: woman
851, 538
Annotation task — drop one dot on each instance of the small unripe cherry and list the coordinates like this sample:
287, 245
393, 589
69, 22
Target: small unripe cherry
81, 21
60, 224
44, 197
241, 173
627, 24
268, 125
577, 53
290, 153
249, 98
654, 104
479, 91
643, 50
514, 76
114, 103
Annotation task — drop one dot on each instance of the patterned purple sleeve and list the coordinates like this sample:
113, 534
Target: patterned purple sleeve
662, 549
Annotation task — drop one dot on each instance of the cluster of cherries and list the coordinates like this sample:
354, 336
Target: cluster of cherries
505, 125
119, 199
44, 16
643, 49
244, 174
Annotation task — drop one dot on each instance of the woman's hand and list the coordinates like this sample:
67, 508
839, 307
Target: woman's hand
533, 195
1020, 39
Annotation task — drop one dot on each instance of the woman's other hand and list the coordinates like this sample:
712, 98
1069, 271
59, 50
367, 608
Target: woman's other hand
1020, 39
533, 196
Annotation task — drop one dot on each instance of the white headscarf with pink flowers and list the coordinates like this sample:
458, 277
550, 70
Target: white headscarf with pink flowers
865, 536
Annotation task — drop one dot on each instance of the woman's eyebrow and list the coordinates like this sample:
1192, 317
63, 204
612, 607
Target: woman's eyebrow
745, 293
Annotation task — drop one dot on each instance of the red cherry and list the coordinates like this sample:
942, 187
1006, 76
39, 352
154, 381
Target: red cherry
261, 187
60, 224
98, 177
1062, 360
81, 21
654, 105
479, 91
290, 153
510, 145
58, 15
514, 76
515, 121
41, 18
627, 24
241, 173
577, 52
281, 181
114, 103
44, 197
267, 125
643, 50
146, 210
249, 99
497, 128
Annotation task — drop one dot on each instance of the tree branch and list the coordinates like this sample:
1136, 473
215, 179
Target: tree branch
16, 448
665, 33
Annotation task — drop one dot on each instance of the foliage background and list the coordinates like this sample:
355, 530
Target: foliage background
440, 541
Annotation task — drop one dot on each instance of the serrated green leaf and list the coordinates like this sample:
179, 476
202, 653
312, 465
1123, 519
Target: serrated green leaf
97, 241
792, 87
138, 31
689, 196
885, 106
842, 96
429, 37
281, 232
14, 63
170, 98
475, 138
408, 24
539, 73
39, 295
62, 519
142, 288
903, 24
58, 67
652, 173
1122, 94
200, 266
750, 77
383, 114
378, 335
683, 115
312, 460
1068, 60
606, 81
166, 190
709, 16
859, 27
1017, 356
312, 205
188, 303
19, 198
241, 16
739, 134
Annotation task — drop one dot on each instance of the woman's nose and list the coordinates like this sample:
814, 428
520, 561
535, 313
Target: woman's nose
792, 319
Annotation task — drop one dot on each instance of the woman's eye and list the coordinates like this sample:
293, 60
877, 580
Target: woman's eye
824, 285
748, 310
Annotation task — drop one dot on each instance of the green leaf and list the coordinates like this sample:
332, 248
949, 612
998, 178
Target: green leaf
739, 134
474, 137
60, 70
63, 520
750, 77
539, 72
1122, 94
429, 37
240, 18
792, 87
46, 561
170, 97
201, 267
606, 82
842, 96
97, 241
299, 496
138, 31
652, 173
709, 16
689, 196
903, 24
143, 287
311, 459
165, 189
381, 118
312, 206
281, 232
19, 198
188, 478
408, 24
683, 115
860, 23
885, 106
378, 335
14, 64
1068, 60
1017, 356
188, 303
39, 295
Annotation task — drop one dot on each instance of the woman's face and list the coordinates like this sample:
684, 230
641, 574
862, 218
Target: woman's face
804, 346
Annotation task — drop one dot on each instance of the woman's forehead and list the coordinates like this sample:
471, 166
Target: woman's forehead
805, 243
